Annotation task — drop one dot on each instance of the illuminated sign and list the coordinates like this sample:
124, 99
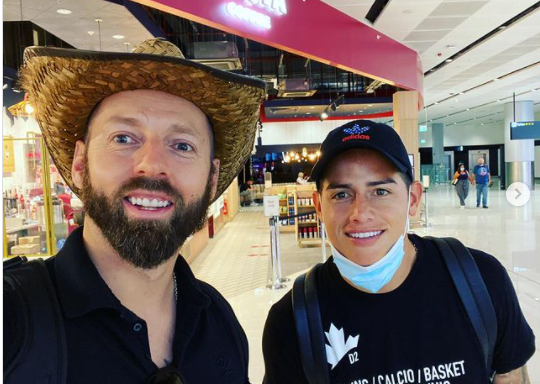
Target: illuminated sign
525, 130
252, 15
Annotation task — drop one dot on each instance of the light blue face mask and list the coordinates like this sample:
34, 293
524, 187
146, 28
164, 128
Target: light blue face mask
375, 276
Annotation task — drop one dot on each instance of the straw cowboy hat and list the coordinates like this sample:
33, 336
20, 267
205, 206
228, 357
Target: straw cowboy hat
64, 86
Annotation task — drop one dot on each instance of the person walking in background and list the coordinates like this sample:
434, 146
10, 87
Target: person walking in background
482, 178
461, 182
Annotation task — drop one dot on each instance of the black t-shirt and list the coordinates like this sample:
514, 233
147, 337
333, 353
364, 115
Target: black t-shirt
418, 333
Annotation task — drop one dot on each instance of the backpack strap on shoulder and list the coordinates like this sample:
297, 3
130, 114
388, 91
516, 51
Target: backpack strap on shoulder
472, 292
41, 357
309, 327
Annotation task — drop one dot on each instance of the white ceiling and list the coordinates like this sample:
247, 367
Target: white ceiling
73, 28
432, 27
428, 26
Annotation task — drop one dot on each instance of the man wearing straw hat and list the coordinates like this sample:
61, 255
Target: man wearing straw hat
148, 140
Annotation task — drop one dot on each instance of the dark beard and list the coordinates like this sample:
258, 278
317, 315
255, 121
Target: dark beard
145, 244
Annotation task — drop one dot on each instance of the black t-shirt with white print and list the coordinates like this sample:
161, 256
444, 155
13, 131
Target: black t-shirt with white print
417, 334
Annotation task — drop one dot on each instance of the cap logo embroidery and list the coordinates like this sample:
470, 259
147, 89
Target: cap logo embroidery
356, 130
356, 133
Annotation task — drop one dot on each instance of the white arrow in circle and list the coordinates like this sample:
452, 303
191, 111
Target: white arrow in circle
519, 193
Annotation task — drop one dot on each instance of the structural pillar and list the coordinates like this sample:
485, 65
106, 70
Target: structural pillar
405, 105
518, 154
406, 124
437, 136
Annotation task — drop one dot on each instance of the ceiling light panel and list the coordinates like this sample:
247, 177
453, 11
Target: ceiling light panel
458, 8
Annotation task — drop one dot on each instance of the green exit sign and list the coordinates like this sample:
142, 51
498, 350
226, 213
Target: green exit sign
422, 128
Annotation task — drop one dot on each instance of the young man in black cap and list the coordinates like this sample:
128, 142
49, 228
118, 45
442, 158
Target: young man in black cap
389, 310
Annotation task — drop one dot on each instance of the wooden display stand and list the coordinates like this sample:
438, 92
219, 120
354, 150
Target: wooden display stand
286, 205
307, 229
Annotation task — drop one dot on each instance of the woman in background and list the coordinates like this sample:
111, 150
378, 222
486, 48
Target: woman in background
461, 182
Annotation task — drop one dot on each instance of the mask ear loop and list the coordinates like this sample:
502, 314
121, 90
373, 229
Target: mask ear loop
408, 208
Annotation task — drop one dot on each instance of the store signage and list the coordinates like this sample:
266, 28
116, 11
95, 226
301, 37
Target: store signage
251, 11
525, 130
271, 206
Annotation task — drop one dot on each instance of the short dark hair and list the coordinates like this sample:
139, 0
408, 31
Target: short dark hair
98, 105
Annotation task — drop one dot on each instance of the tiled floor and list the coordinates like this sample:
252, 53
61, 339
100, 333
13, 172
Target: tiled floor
237, 260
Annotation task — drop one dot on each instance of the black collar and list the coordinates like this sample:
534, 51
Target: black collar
81, 288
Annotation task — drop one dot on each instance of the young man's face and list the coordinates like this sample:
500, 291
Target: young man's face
146, 167
363, 204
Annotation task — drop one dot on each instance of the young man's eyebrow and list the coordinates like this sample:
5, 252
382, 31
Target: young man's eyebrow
338, 186
388, 180
375, 183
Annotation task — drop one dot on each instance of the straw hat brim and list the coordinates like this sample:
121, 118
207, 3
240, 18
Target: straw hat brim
65, 85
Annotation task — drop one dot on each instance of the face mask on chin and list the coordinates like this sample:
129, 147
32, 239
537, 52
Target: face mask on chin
377, 275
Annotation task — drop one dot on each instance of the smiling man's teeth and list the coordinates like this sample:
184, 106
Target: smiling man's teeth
146, 203
365, 235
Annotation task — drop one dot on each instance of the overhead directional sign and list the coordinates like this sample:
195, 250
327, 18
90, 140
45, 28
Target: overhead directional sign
525, 130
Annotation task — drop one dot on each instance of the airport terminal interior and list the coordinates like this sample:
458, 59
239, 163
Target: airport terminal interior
458, 80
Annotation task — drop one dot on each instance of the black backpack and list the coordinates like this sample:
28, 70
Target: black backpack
467, 280
37, 325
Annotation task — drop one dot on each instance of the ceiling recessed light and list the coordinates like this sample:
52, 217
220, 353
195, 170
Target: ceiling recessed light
482, 124
118, 37
496, 79
462, 93
312, 107
370, 105
468, 109
63, 11
450, 46
91, 33
498, 100
503, 27
449, 60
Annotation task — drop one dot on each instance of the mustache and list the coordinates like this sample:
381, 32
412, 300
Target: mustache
149, 184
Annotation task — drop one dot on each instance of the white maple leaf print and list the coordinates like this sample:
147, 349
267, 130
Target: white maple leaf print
338, 347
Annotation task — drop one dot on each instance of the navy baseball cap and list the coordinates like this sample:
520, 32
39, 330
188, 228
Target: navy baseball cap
363, 134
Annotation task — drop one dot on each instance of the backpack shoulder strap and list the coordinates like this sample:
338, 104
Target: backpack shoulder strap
309, 327
41, 355
472, 292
